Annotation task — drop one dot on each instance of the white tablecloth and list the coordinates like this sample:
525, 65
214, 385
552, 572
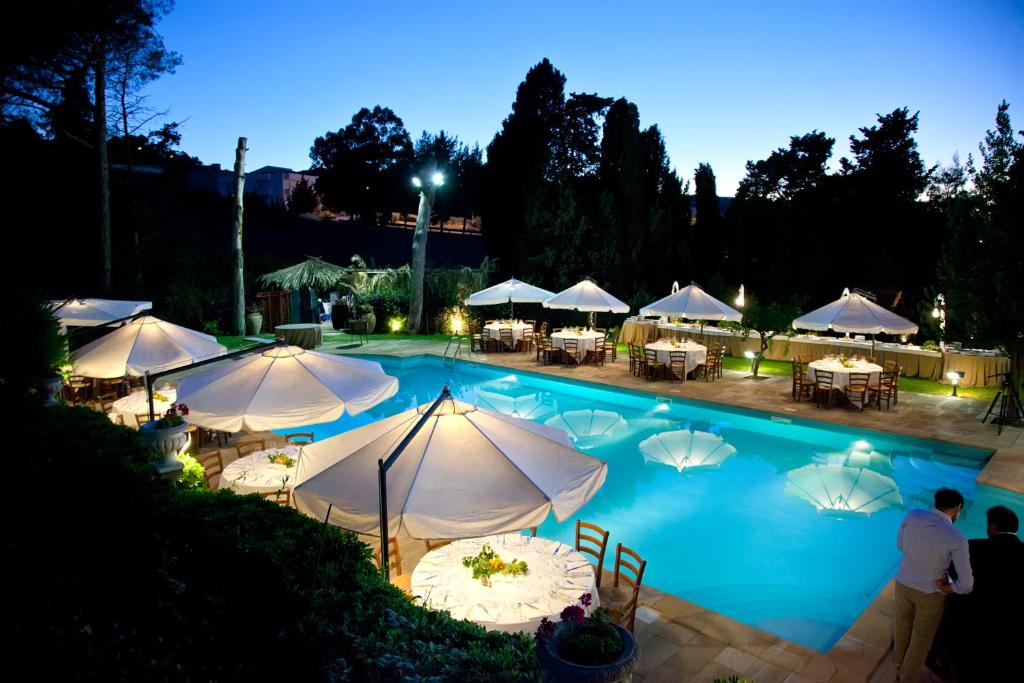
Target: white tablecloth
256, 474
557, 577
841, 375
695, 353
586, 340
494, 330
137, 403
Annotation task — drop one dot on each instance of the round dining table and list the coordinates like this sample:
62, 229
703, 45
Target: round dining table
255, 473
695, 353
557, 576
137, 403
304, 335
586, 340
493, 331
841, 373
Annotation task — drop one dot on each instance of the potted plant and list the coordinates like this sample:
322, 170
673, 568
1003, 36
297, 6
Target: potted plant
585, 646
253, 319
366, 313
47, 355
167, 435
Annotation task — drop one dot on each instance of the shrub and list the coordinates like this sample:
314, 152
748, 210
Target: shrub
123, 577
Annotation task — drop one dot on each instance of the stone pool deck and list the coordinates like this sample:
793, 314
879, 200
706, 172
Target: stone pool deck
684, 642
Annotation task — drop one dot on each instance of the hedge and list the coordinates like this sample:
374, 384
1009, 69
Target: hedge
121, 577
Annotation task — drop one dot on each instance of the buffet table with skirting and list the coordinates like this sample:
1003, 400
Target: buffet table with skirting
978, 368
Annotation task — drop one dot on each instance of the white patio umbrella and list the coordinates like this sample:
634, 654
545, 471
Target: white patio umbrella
145, 343
285, 386
685, 449
587, 425
529, 405
586, 296
838, 488
466, 472
92, 312
693, 303
854, 313
509, 292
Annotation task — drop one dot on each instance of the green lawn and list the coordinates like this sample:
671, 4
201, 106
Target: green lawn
781, 368
778, 368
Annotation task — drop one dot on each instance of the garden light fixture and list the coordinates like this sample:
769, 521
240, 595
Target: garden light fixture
741, 299
417, 182
437, 179
954, 377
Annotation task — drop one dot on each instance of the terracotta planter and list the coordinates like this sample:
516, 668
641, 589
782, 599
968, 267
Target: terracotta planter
169, 443
554, 668
253, 323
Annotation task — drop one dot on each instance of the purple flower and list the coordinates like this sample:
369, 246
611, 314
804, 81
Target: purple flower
183, 409
546, 629
573, 613
586, 599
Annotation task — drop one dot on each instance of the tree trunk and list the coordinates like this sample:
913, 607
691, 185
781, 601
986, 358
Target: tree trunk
419, 258
100, 126
238, 315
129, 217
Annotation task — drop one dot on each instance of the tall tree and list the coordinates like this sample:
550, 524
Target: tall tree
365, 165
47, 51
238, 279
980, 271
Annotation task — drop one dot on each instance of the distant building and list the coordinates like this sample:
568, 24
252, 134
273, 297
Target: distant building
273, 184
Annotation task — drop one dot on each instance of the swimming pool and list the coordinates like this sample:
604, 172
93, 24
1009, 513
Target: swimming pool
786, 525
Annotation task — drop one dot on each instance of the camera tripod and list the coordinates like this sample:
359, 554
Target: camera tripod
1008, 399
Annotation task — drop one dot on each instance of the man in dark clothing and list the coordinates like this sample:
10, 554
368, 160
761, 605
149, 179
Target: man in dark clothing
976, 632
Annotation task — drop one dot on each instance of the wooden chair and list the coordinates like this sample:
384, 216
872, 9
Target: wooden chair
208, 436
870, 359
250, 444
545, 351
653, 368
801, 385
896, 384
823, 387
677, 365
394, 564
213, 466
299, 439
596, 356
528, 341
531, 323
570, 350
592, 545
709, 370
857, 389
79, 389
622, 598
476, 338
282, 497
613, 346
507, 339
889, 365
430, 545
106, 402
141, 419
884, 391
720, 366
543, 332
489, 322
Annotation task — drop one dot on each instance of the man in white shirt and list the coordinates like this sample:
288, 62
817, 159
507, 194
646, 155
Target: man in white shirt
929, 542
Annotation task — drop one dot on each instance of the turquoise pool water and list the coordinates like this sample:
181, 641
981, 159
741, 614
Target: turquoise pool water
788, 527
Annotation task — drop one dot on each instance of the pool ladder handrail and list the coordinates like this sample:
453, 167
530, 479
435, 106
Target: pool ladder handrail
458, 349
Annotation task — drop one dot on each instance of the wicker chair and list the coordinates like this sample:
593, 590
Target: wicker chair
823, 388
857, 389
884, 391
622, 597
677, 365
653, 368
802, 387
545, 351
507, 339
570, 351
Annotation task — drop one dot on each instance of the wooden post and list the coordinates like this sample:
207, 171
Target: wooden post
238, 317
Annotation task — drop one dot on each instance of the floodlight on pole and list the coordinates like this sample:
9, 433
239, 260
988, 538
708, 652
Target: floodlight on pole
741, 299
437, 179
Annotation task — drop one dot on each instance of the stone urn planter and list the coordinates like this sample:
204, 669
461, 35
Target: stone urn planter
51, 387
169, 443
371, 322
253, 323
555, 668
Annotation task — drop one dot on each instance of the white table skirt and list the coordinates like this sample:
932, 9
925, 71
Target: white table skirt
841, 375
137, 403
586, 340
256, 474
557, 577
494, 331
695, 353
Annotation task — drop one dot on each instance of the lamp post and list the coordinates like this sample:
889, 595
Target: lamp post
939, 312
427, 190
954, 377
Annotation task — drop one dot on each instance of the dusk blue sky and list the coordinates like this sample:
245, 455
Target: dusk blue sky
725, 81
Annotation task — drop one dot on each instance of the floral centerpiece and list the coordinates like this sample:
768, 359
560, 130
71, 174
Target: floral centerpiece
157, 396
487, 563
585, 645
281, 459
845, 361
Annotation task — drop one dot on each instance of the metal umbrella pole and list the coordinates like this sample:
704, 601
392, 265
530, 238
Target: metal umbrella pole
382, 476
